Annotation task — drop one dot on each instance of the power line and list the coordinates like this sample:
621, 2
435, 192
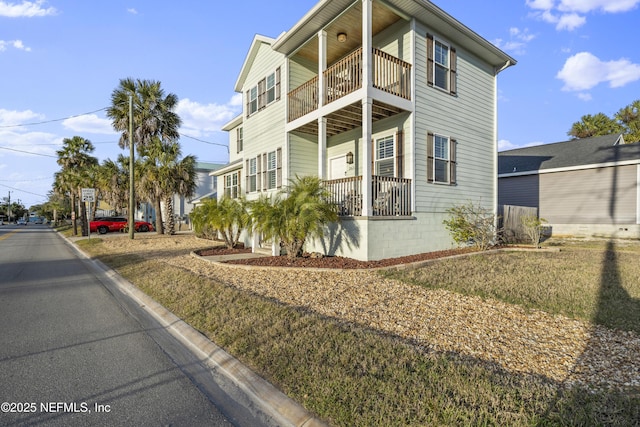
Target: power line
22, 191
206, 142
53, 120
28, 152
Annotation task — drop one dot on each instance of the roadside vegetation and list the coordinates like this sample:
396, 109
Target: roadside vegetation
353, 376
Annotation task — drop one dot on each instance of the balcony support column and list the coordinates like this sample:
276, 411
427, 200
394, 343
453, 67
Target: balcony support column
322, 147
367, 43
367, 155
322, 66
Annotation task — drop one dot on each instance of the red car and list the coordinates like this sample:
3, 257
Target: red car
116, 223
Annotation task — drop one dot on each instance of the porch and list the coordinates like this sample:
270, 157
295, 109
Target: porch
390, 196
390, 75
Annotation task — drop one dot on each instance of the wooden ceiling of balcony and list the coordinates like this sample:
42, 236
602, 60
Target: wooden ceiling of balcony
350, 23
350, 118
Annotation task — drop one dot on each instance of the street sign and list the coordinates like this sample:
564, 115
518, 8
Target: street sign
88, 194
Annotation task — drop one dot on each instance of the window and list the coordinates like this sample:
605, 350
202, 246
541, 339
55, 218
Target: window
441, 162
253, 100
384, 157
264, 93
271, 88
231, 188
441, 65
252, 173
271, 170
239, 142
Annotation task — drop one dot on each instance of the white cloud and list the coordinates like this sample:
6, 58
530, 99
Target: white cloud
518, 40
132, 11
583, 71
29, 142
607, 6
585, 96
17, 44
201, 119
89, 123
569, 14
504, 145
16, 118
26, 9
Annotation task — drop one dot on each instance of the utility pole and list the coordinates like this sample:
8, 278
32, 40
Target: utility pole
9, 208
132, 197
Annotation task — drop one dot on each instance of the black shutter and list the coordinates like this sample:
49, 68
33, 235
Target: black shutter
247, 174
453, 86
248, 103
399, 155
279, 168
430, 59
429, 157
278, 83
452, 161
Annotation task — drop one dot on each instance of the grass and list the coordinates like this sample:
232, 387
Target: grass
352, 376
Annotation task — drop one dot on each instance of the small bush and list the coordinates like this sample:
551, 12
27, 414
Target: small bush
472, 224
533, 227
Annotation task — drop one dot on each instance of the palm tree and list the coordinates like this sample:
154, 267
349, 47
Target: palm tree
597, 125
113, 182
77, 171
299, 212
155, 127
629, 116
228, 216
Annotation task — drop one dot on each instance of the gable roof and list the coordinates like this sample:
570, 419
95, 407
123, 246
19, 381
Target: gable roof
248, 61
576, 154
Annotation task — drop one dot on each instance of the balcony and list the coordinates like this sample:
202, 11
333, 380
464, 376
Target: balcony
390, 74
390, 196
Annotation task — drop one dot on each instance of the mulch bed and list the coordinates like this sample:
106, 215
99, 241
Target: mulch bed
345, 263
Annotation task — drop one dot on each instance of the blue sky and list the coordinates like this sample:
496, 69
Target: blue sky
61, 59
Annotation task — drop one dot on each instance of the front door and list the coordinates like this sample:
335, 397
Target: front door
338, 167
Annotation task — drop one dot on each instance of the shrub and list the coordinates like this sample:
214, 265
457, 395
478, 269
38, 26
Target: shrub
472, 224
533, 227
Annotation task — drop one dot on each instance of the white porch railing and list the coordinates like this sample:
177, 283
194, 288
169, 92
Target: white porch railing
390, 196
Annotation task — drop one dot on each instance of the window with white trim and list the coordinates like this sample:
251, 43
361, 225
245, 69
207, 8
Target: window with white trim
271, 88
253, 172
440, 159
231, 187
272, 166
239, 140
441, 162
441, 65
385, 156
253, 100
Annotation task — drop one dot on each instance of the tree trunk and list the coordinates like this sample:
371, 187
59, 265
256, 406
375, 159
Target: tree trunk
83, 220
171, 225
159, 225
74, 215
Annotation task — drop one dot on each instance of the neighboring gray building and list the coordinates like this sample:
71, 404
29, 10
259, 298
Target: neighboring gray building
582, 187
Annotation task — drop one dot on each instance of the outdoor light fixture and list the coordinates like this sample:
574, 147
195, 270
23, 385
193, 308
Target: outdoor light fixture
349, 158
342, 37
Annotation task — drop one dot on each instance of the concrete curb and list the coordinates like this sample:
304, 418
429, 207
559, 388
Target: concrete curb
270, 400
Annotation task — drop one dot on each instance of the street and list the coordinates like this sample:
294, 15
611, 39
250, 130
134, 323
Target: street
75, 352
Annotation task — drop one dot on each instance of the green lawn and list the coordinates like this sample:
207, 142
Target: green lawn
352, 376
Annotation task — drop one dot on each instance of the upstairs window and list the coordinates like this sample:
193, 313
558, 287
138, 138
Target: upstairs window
252, 174
264, 93
441, 65
239, 140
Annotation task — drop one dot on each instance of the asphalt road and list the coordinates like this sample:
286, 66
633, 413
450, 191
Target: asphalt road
75, 352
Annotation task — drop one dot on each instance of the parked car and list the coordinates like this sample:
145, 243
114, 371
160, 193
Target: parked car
117, 223
21, 221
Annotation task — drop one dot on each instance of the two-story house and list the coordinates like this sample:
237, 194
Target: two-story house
393, 103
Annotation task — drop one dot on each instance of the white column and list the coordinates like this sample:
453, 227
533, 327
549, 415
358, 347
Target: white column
322, 147
322, 65
367, 153
367, 106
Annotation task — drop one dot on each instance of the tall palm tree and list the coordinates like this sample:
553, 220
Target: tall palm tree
78, 167
155, 127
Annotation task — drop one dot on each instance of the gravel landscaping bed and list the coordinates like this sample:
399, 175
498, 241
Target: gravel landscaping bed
520, 340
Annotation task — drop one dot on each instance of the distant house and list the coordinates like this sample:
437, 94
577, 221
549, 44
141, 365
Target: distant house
582, 187
392, 103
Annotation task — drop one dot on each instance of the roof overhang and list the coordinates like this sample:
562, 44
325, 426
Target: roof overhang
251, 55
229, 167
326, 11
235, 122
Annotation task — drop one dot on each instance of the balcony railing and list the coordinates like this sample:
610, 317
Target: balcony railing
390, 196
390, 74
